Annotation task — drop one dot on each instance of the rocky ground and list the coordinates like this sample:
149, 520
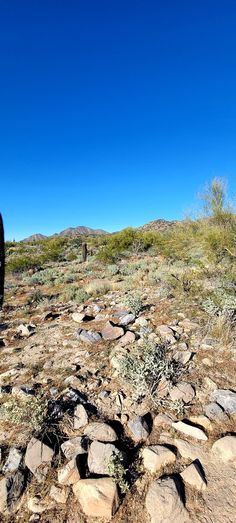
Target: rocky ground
122, 408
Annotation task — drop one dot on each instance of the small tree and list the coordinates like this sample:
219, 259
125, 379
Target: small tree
215, 200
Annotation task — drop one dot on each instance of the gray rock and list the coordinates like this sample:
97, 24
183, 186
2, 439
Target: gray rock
100, 432
225, 448
38, 458
99, 456
111, 332
11, 489
127, 319
215, 413
73, 447
182, 391
157, 456
226, 399
80, 417
194, 477
13, 461
139, 429
183, 357
90, 336
164, 504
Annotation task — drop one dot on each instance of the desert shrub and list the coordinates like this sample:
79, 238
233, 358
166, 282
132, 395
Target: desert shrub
17, 264
98, 287
134, 302
128, 240
35, 297
53, 249
73, 293
144, 368
30, 411
117, 471
113, 269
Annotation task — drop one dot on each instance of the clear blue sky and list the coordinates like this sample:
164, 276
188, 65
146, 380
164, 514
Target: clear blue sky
113, 113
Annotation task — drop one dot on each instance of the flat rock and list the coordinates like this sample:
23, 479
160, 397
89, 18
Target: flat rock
89, 336
111, 332
183, 357
38, 458
226, 399
127, 319
225, 448
203, 421
157, 456
182, 391
164, 503
97, 497
187, 450
190, 430
69, 474
193, 476
100, 432
129, 337
59, 495
139, 429
80, 417
162, 420
74, 446
25, 330
99, 456
78, 316
215, 413
13, 461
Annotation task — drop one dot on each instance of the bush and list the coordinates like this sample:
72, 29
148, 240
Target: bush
98, 287
30, 411
73, 293
134, 302
19, 264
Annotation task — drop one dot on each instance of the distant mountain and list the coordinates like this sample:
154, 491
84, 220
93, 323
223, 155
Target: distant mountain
71, 232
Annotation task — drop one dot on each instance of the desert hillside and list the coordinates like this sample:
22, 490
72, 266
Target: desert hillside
117, 376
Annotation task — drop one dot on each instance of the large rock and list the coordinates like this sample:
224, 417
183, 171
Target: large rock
38, 458
59, 495
164, 503
74, 446
166, 334
157, 456
13, 461
99, 456
90, 336
110, 332
187, 450
182, 391
193, 476
127, 319
139, 429
226, 399
215, 413
69, 474
100, 432
225, 448
97, 497
190, 430
80, 417
11, 489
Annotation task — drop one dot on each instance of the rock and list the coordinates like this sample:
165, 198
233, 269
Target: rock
99, 456
141, 321
183, 357
226, 399
225, 448
59, 495
139, 429
97, 497
11, 489
188, 325
38, 458
13, 461
109, 332
164, 503
182, 391
100, 432
166, 334
162, 420
90, 336
127, 319
129, 337
187, 450
25, 330
194, 477
163, 388
78, 316
157, 456
73, 447
215, 413
190, 430
80, 417
203, 421
37, 505
69, 474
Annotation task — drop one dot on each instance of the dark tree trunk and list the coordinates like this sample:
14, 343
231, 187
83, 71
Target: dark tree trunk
2, 261
84, 252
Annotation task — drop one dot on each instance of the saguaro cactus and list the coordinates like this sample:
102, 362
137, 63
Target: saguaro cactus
2, 261
84, 252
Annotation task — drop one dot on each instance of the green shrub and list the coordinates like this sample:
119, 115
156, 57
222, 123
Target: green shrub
134, 302
73, 293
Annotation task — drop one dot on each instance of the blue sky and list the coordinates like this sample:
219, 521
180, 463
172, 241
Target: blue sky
113, 113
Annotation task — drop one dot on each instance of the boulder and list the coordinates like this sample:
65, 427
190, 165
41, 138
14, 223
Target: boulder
182, 391
80, 417
59, 495
13, 461
111, 332
25, 330
99, 456
157, 456
193, 476
162, 420
215, 413
226, 399
69, 474
90, 336
74, 446
225, 448
38, 458
190, 430
97, 497
129, 337
164, 503
139, 429
100, 432
187, 450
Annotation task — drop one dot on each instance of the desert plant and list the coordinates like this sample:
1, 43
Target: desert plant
98, 287
134, 302
2, 262
31, 411
117, 471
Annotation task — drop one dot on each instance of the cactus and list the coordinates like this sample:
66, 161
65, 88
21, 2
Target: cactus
84, 252
2, 261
